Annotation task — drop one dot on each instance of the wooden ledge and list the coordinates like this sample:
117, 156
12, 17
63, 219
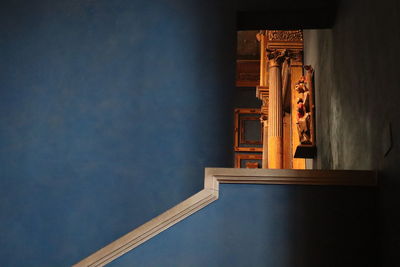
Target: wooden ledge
213, 177
298, 177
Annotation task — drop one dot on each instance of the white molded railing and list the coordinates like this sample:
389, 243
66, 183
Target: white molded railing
213, 177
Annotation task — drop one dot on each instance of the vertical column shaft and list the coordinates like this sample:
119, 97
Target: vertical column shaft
275, 123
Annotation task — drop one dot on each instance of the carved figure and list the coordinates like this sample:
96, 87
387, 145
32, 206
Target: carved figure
301, 87
303, 115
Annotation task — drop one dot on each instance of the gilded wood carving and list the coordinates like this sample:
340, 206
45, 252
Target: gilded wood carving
303, 112
290, 36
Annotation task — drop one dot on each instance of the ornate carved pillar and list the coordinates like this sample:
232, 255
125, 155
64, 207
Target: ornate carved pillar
263, 59
262, 94
275, 123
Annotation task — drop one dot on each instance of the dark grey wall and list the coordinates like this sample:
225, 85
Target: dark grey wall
357, 93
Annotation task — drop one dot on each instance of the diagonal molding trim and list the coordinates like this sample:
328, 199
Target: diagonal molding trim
213, 177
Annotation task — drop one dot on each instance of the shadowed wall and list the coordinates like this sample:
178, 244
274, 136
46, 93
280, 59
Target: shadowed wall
269, 225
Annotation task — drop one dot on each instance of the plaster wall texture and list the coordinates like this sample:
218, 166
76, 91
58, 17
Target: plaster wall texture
109, 112
357, 92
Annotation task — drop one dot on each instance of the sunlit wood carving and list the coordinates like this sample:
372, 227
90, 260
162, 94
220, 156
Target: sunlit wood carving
296, 35
286, 111
303, 112
275, 115
305, 115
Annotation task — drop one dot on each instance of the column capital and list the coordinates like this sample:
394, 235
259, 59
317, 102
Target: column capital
296, 57
276, 56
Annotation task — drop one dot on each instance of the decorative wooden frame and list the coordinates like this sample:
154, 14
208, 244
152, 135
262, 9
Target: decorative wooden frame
239, 157
238, 130
213, 177
242, 129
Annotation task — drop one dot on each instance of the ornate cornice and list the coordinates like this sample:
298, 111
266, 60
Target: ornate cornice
291, 36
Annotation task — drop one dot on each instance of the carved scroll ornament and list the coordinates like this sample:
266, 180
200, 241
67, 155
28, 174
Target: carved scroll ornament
276, 56
296, 35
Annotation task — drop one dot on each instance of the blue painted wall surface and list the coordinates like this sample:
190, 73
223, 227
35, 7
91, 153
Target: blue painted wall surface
109, 112
269, 225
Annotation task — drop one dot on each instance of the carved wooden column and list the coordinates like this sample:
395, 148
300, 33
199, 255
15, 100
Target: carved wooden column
262, 94
275, 123
291, 41
263, 59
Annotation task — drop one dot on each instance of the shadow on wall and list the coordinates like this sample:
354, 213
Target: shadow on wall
269, 225
356, 72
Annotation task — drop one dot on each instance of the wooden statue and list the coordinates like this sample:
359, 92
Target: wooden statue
303, 123
303, 112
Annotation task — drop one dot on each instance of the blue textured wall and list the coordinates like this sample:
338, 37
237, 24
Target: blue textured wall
269, 225
109, 112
